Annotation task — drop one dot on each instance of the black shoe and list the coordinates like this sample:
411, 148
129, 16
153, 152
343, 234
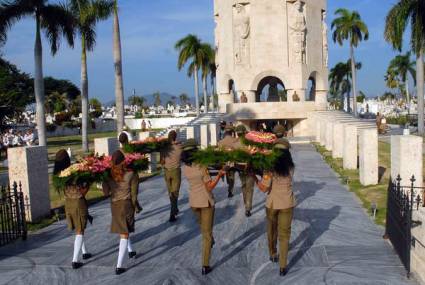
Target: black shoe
172, 219
119, 271
206, 270
87, 256
212, 243
248, 214
138, 208
90, 219
230, 195
274, 259
76, 265
132, 254
283, 271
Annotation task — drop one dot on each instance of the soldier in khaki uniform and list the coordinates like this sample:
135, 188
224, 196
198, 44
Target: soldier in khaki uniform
279, 131
280, 204
246, 180
76, 209
228, 143
201, 199
119, 186
170, 160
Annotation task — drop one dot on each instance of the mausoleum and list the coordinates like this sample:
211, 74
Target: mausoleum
272, 61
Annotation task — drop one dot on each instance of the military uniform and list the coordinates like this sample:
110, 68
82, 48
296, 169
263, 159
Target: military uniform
202, 203
229, 143
76, 209
172, 173
279, 209
248, 183
121, 202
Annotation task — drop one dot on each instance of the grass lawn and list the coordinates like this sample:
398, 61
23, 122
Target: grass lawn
370, 194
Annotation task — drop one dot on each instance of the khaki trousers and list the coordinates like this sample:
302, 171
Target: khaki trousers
205, 217
173, 178
247, 190
279, 226
230, 178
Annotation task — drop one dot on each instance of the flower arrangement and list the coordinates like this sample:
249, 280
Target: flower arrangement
148, 145
95, 169
259, 140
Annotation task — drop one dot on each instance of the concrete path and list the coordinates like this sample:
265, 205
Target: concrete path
333, 241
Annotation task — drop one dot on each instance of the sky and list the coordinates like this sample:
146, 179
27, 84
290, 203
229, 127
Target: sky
149, 30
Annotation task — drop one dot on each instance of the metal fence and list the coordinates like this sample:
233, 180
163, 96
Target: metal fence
12, 214
401, 202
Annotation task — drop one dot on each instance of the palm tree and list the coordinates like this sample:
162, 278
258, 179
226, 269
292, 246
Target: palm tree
410, 13
87, 13
391, 79
340, 77
190, 49
207, 55
213, 72
55, 20
119, 84
349, 26
402, 66
183, 98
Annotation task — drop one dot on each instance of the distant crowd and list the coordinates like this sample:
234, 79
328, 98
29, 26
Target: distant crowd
14, 138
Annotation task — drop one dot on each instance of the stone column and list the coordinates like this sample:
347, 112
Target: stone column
329, 134
317, 134
106, 146
368, 156
224, 99
190, 132
145, 135
251, 96
321, 101
350, 147
213, 134
204, 141
338, 140
29, 166
406, 159
323, 131
152, 157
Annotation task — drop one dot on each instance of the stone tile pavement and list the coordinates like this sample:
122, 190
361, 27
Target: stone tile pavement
333, 241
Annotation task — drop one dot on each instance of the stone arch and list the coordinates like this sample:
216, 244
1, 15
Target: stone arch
311, 88
267, 73
225, 84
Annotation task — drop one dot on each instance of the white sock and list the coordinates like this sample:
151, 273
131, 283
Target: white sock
121, 252
129, 247
77, 247
83, 247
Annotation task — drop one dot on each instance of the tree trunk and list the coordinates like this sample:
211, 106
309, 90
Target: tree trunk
205, 91
420, 88
84, 96
119, 85
214, 93
196, 90
406, 83
354, 80
39, 87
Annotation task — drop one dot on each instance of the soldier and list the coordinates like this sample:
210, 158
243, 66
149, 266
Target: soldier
228, 143
279, 131
201, 199
246, 180
123, 139
170, 160
280, 204
76, 209
119, 186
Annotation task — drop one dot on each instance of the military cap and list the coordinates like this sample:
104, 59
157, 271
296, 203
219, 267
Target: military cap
240, 129
190, 144
282, 144
279, 130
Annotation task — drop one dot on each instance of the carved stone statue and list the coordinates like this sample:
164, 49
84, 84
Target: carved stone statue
242, 30
298, 31
325, 40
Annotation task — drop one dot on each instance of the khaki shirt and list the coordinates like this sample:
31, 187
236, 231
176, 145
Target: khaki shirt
171, 157
199, 196
73, 192
121, 190
228, 142
280, 196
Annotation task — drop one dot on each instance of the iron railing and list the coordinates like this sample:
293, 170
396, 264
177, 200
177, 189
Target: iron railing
401, 202
12, 214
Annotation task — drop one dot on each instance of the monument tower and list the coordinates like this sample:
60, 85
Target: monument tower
272, 60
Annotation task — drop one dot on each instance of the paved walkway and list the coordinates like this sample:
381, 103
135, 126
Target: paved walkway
333, 241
